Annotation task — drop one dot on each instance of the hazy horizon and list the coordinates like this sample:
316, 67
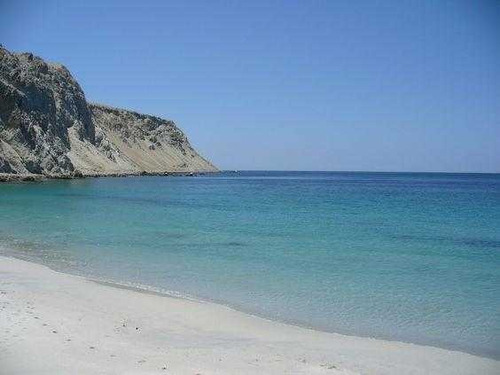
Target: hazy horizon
346, 171
400, 86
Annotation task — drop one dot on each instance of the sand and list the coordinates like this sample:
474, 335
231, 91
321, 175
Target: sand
54, 323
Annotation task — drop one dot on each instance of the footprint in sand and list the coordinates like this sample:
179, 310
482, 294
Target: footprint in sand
329, 366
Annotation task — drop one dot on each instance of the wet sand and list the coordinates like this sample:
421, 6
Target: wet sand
54, 323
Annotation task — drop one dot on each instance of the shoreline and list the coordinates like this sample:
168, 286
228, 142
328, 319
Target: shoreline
202, 336
178, 295
12, 177
147, 289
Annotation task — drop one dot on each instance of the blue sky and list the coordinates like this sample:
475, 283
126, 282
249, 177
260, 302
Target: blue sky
300, 85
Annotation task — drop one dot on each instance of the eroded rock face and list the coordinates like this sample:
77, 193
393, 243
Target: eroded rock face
47, 127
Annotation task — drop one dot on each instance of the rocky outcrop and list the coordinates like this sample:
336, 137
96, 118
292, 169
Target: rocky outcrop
47, 127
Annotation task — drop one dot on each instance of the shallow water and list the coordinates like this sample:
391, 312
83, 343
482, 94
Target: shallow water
410, 257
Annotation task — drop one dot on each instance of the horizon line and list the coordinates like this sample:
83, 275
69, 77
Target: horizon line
350, 171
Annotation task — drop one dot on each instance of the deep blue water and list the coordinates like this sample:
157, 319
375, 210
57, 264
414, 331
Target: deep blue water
403, 256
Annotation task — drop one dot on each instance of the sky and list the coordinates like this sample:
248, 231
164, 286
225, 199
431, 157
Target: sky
289, 85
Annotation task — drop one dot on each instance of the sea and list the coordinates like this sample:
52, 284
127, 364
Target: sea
412, 257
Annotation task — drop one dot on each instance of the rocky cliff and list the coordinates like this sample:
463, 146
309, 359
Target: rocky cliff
47, 127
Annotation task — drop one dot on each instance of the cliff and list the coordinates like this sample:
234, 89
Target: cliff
47, 127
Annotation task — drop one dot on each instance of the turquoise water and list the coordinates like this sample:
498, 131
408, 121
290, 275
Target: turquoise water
410, 257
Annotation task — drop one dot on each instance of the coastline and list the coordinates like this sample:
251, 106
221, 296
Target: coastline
12, 177
67, 323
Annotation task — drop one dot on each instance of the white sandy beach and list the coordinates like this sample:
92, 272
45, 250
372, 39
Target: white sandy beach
53, 323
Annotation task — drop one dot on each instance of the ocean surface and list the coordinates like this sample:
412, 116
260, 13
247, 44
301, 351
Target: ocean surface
400, 256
